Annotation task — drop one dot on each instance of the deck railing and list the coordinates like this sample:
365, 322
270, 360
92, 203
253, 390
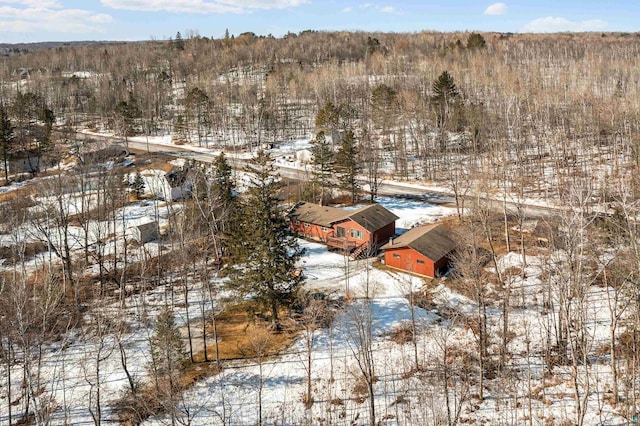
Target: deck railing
341, 243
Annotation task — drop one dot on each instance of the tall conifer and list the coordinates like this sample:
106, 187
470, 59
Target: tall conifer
265, 251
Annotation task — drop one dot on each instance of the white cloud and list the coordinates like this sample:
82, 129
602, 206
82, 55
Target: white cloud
32, 19
496, 9
200, 6
347, 10
383, 9
556, 25
36, 4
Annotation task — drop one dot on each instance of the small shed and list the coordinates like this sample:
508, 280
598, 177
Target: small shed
144, 232
424, 250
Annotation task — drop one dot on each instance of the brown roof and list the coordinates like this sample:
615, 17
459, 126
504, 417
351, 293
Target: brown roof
433, 241
319, 215
371, 217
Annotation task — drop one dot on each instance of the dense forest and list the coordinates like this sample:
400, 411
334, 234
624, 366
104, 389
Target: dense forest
215, 315
542, 105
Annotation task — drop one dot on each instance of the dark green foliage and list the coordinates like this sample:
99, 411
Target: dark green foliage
384, 106
138, 185
127, 112
6, 136
328, 116
383, 97
263, 250
33, 123
475, 41
322, 165
197, 111
167, 347
214, 211
373, 45
168, 360
444, 88
223, 179
347, 166
445, 98
178, 42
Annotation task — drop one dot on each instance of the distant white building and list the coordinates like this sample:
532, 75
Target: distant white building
143, 233
304, 156
180, 184
174, 185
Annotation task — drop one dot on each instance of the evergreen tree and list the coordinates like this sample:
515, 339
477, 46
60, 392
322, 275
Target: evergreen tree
328, 117
223, 179
168, 359
127, 113
167, 347
322, 165
6, 136
384, 106
32, 126
347, 166
264, 251
445, 99
373, 45
138, 184
475, 41
197, 112
178, 43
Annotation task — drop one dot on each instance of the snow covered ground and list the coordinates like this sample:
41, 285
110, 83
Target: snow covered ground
403, 394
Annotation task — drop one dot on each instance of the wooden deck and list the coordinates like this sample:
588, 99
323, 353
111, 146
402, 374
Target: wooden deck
341, 243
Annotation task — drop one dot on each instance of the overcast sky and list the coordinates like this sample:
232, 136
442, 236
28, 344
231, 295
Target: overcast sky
63, 20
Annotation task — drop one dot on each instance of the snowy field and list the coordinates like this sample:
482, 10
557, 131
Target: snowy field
88, 360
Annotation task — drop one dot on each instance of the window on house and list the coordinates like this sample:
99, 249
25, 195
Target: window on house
396, 255
306, 225
296, 222
325, 229
357, 234
421, 262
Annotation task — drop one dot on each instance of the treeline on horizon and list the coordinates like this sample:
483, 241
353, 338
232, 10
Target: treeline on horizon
531, 100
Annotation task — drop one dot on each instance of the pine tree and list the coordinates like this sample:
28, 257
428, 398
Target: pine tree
444, 89
322, 165
448, 106
347, 166
197, 106
264, 251
475, 41
178, 43
138, 184
224, 206
167, 345
6, 135
168, 358
223, 178
328, 117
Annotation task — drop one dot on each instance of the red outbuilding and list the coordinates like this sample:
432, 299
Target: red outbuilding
424, 250
355, 231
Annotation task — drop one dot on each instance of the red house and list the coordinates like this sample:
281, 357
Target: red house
424, 250
354, 231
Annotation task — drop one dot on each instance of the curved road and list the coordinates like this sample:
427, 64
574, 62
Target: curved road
387, 188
